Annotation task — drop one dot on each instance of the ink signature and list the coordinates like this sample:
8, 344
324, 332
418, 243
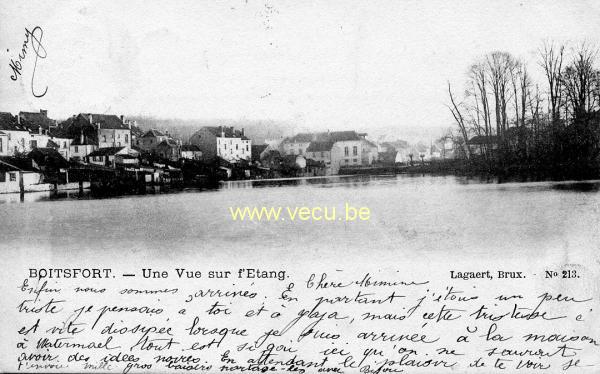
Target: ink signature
33, 39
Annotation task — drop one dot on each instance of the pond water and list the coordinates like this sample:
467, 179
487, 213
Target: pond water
409, 216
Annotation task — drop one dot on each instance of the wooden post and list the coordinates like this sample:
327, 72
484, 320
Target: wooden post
21, 183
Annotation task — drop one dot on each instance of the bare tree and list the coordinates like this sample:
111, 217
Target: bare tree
478, 79
551, 60
454, 109
500, 67
580, 81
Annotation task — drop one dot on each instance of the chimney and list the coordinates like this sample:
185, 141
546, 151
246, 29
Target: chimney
122, 119
40, 130
44, 112
81, 137
242, 131
18, 119
91, 120
222, 132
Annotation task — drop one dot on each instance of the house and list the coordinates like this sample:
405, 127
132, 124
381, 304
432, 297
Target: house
168, 149
44, 129
336, 149
297, 144
222, 142
272, 159
435, 151
37, 120
388, 156
150, 140
191, 152
18, 175
258, 152
315, 168
370, 152
81, 147
59, 137
136, 132
16, 137
320, 151
129, 159
480, 143
101, 130
106, 156
47, 159
3, 143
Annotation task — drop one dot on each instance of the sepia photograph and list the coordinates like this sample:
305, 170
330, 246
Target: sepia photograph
245, 186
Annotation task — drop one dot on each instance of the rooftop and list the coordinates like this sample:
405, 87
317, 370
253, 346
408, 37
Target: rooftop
152, 134
109, 151
320, 146
8, 122
106, 121
190, 148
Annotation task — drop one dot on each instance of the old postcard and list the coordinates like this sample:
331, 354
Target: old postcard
300, 186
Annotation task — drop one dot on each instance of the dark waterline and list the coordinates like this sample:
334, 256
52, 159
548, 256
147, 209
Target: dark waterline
349, 181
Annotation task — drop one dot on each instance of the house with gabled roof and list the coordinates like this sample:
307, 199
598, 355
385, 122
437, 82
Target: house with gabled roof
102, 130
19, 175
191, 152
106, 156
222, 142
169, 149
335, 149
43, 129
297, 144
19, 140
150, 140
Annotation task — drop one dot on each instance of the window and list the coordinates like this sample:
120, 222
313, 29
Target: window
346, 153
1, 144
236, 147
247, 148
2, 177
354, 160
76, 149
64, 144
346, 161
322, 154
354, 151
13, 177
33, 144
126, 138
104, 138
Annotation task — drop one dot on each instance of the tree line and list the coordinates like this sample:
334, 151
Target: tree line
506, 118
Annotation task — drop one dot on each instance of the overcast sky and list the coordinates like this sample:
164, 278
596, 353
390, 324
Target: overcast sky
334, 64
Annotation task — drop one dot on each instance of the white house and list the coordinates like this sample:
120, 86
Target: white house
336, 149
222, 142
16, 178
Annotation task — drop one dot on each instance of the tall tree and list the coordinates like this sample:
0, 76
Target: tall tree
551, 60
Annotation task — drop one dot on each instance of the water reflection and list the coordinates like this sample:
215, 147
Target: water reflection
588, 186
348, 182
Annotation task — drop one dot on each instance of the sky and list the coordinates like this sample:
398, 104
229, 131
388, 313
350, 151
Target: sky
334, 64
